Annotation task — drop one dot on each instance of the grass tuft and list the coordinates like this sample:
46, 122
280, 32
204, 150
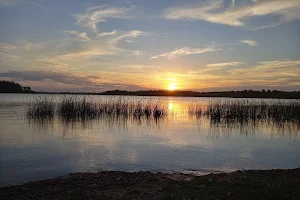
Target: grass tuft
42, 107
237, 111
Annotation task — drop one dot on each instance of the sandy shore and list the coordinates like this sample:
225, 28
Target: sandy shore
252, 184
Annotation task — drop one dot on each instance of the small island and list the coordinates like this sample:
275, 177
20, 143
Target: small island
13, 87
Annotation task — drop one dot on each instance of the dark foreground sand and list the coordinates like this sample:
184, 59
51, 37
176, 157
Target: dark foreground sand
253, 184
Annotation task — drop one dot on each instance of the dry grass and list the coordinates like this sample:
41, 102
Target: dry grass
245, 111
42, 107
225, 111
83, 108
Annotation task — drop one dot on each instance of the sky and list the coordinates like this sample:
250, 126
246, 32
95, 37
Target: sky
204, 45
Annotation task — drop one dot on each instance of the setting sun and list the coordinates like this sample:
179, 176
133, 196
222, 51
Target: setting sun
172, 86
144, 87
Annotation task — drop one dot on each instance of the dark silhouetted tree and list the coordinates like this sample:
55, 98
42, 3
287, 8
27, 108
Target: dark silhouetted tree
13, 87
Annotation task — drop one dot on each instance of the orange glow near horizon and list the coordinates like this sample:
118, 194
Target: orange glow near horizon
172, 86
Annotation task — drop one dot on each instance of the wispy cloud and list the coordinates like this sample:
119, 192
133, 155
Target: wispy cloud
6, 46
129, 34
224, 64
95, 15
140, 66
138, 53
216, 11
64, 81
232, 2
70, 52
65, 78
213, 68
184, 51
102, 34
274, 70
81, 35
266, 26
249, 42
277, 74
39, 5
83, 47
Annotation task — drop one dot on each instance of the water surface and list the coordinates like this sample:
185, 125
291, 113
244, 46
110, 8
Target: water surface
33, 149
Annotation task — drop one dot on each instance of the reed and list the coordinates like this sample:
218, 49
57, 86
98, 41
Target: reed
244, 111
42, 107
223, 111
84, 108
77, 108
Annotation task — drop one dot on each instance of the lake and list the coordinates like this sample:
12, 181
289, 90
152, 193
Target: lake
34, 149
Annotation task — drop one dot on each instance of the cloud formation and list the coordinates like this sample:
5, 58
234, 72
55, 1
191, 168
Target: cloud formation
65, 78
224, 64
272, 69
97, 14
249, 42
102, 34
44, 81
6, 46
278, 74
138, 53
214, 68
128, 34
237, 15
66, 60
81, 35
96, 47
184, 51
232, 2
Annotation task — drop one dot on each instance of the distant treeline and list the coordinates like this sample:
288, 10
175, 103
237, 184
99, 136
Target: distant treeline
235, 94
275, 94
13, 87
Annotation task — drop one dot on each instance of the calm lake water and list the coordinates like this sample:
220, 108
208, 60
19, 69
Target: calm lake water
34, 149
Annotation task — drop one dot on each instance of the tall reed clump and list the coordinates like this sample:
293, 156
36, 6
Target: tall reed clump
77, 107
42, 107
83, 108
244, 111
74, 107
284, 112
148, 109
132, 109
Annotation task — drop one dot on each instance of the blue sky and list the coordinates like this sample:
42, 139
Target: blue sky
139, 44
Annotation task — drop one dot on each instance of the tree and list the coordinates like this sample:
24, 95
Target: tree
27, 89
13, 87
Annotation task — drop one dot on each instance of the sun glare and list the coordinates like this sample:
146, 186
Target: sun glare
172, 86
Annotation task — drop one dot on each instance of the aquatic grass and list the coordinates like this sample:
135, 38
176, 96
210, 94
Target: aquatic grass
217, 111
42, 107
74, 107
245, 111
84, 108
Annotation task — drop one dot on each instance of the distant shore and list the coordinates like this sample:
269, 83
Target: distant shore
13, 87
250, 184
165, 93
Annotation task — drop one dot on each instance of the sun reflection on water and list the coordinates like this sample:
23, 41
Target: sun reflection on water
170, 107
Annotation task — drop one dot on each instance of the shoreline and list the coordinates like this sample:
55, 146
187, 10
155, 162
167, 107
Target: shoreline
249, 184
173, 94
